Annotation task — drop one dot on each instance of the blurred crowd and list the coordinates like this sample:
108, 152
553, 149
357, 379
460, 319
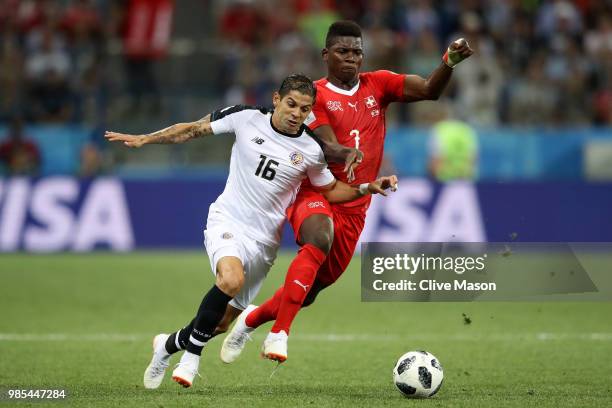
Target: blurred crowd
536, 62
54, 56
54, 68
50, 60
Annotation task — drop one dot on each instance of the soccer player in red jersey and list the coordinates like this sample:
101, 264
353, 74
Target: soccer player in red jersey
349, 110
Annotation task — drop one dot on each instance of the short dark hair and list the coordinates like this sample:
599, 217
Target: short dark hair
298, 82
344, 28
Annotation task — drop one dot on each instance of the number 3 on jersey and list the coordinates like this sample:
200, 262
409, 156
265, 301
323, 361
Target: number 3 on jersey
355, 133
268, 171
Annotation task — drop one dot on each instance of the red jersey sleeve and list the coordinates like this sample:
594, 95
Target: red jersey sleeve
390, 84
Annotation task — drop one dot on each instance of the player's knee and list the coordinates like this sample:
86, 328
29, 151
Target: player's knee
230, 278
318, 230
323, 240
231, 285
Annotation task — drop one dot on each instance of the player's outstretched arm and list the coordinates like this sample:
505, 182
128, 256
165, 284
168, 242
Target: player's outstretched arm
336, 153
417, 88
340, 192
178, 133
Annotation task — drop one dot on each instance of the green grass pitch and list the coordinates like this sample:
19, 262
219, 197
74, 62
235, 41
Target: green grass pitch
85, 323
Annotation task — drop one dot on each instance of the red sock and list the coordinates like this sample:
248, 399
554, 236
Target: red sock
266, 312
299, 279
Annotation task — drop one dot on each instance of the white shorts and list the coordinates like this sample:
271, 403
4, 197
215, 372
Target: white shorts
223, 237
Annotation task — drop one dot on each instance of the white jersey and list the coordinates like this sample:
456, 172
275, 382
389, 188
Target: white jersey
266, 169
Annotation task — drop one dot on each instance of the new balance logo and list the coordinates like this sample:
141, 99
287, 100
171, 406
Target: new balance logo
305, 287
258, 140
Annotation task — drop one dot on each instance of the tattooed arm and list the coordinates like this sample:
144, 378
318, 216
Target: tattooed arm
179, 133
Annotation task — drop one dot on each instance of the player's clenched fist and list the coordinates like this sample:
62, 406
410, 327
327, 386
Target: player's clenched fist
383, 183
128, 140
457, 52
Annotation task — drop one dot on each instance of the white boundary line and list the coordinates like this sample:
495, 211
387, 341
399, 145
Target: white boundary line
330, 337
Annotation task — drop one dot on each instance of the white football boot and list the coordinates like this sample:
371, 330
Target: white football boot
236, 339
186, 370
275, 346
154, 374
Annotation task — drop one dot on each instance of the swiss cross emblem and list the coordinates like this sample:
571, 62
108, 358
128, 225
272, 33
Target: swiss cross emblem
370, 101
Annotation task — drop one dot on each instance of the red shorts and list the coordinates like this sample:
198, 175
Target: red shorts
347, 229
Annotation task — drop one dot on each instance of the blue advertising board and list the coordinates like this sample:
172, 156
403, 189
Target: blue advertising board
67, 214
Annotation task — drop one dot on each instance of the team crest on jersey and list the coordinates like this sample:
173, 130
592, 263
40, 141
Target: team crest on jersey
370, 101
296, 158
316, 204
227, 235
334, 106
374, 112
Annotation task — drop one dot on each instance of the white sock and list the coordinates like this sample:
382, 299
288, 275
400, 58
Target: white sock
281, 334
190, 357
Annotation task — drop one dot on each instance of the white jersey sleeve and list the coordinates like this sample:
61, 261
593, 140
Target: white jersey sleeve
227, 120
319, 173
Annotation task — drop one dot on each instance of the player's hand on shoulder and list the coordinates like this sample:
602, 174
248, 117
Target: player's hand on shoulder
128, 140
457, 51
353, 160
381, 184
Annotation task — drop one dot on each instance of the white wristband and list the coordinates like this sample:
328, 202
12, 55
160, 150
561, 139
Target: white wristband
363, 188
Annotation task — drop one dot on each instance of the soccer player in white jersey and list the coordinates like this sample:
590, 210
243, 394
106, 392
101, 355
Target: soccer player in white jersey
273, 153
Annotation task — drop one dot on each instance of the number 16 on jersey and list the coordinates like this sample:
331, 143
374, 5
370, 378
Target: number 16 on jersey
268, 170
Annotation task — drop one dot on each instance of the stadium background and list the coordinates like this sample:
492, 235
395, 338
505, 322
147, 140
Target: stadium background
537, 92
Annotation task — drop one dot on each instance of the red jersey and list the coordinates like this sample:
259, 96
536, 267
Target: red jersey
357, 117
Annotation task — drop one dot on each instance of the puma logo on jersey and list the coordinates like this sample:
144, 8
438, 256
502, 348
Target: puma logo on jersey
257, 140
305, 287
370, 101
334, 106
353, 105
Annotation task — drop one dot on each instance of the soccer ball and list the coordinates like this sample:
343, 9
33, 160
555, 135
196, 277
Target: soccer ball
418, 374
